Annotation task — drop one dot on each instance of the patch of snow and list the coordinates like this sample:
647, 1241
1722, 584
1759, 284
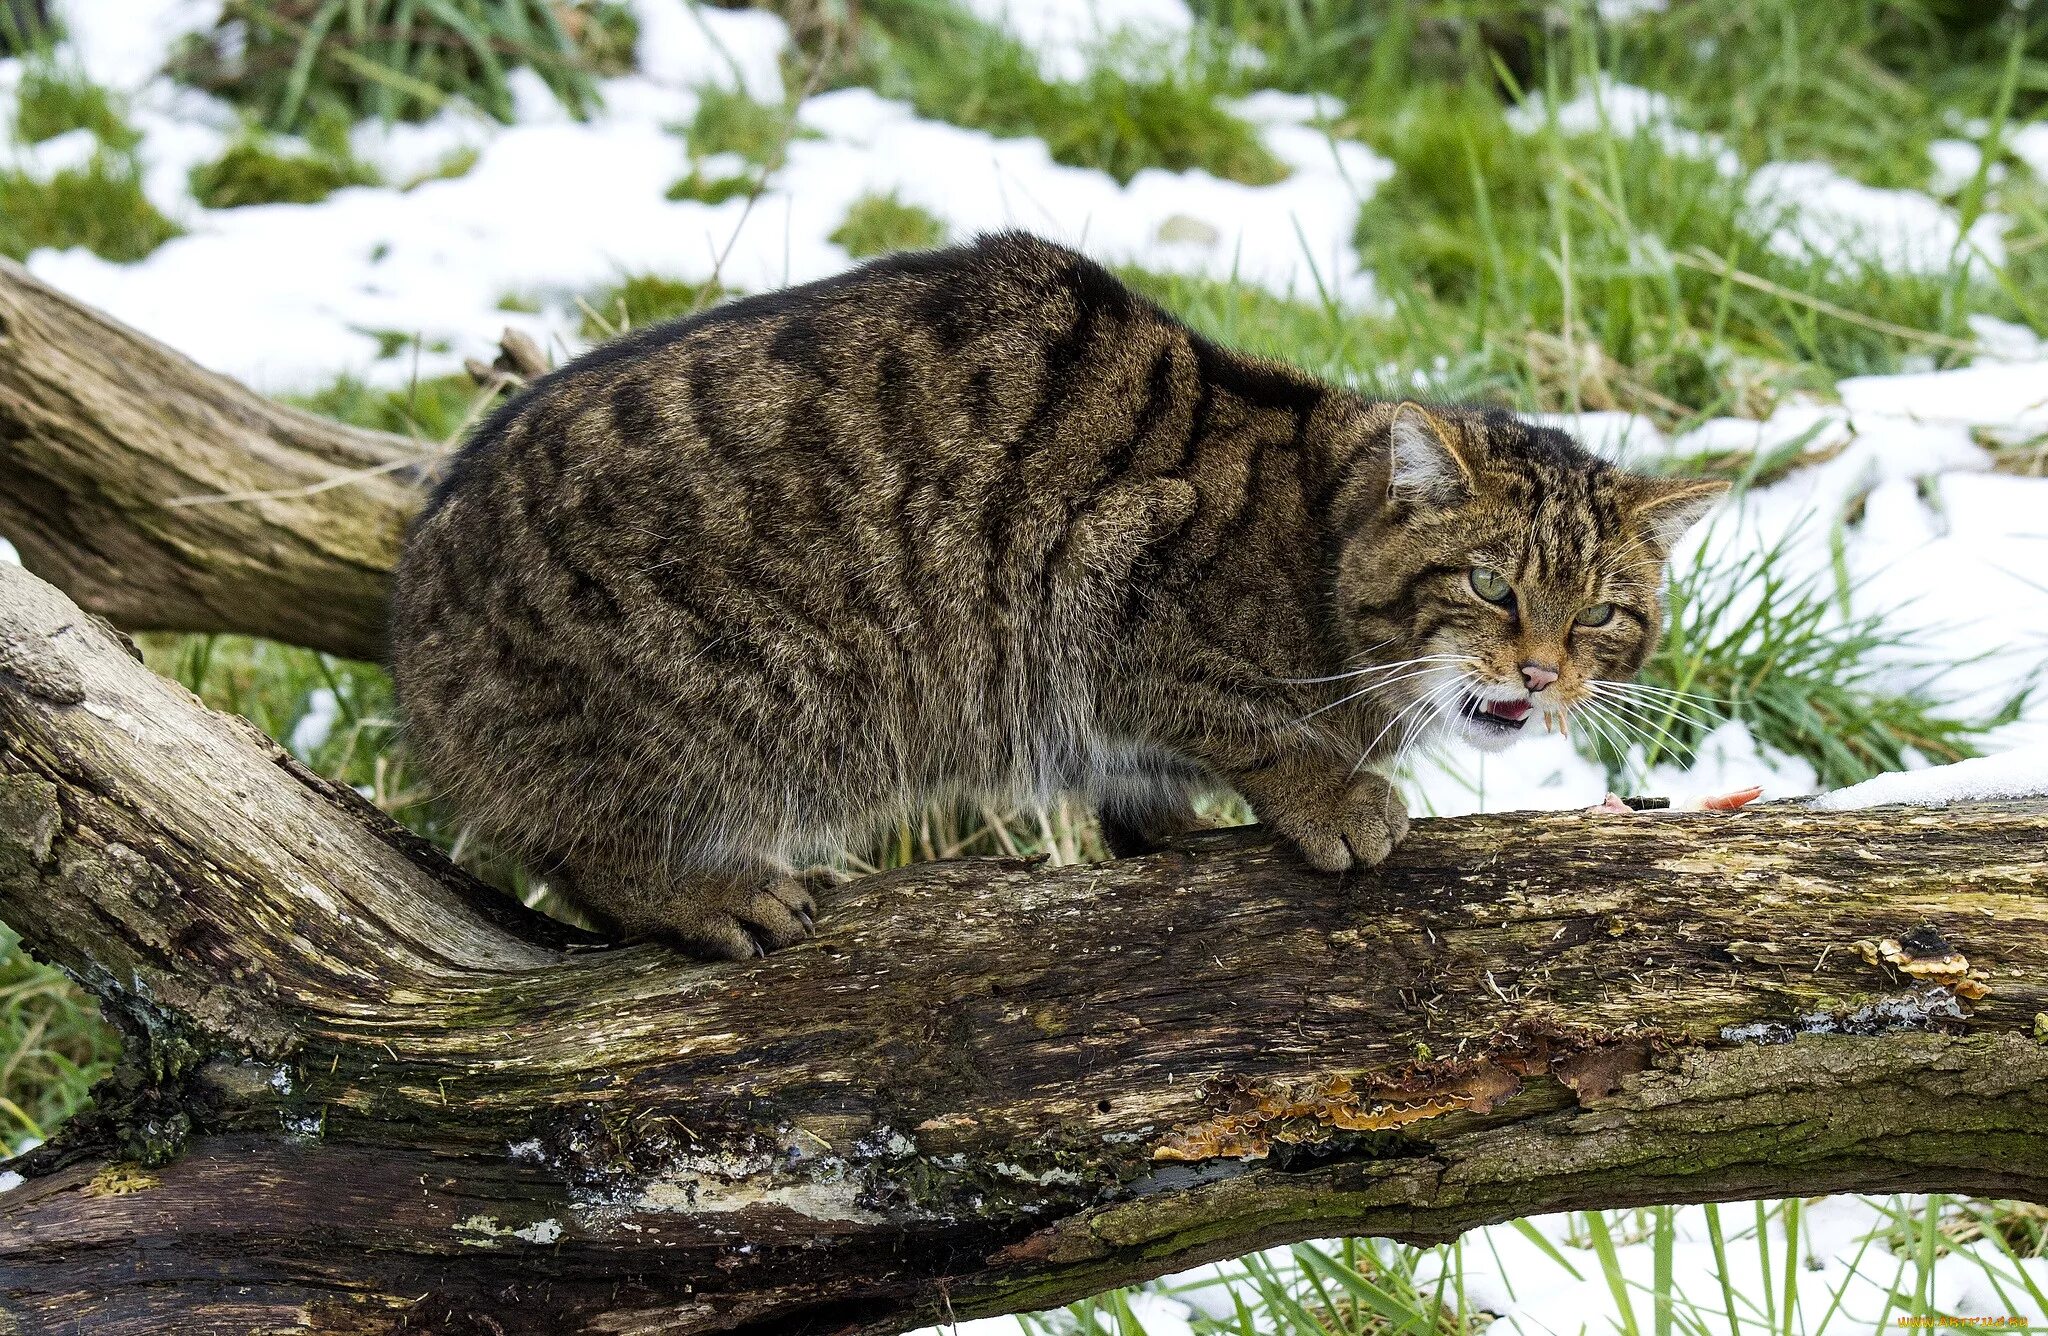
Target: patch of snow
1955, 163
122, 46
2004, 341
1624, 11
314, 727
62, 153
1628, 439
287, 296
1068, 36
2030, 145
1826, 215
686, 45
1624, 110
8, 553
1987, 394
2013, 774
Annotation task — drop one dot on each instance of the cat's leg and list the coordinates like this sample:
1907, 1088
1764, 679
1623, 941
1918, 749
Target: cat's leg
727, 914
1130, 829
1337, 820
1141, 809
1336, 812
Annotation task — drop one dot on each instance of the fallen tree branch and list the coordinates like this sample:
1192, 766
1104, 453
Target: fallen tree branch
115, 453
362, 1092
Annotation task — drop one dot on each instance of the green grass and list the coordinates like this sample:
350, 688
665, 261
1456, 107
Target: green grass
438, 409
289, 61
728, 121
257, 169
99, 206
878, 224
954, 69
56, 99
1749, 642
638, 300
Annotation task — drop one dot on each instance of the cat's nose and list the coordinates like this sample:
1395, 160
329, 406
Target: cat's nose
1538, 675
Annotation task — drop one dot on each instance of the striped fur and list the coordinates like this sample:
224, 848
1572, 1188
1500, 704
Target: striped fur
733, 593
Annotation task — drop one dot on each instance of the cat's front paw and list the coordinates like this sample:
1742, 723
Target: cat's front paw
1356, 827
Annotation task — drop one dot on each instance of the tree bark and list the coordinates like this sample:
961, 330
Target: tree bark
363, 1093
118, 459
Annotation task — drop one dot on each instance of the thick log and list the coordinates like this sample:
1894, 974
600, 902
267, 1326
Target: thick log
364, 1094
165, 497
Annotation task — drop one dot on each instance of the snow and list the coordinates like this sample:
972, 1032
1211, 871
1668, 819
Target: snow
316, 723
8, 554
1068, 36
287, 296
2013, 774
1955, 163
1808, 209
1830, 216
122, 45
2029, 144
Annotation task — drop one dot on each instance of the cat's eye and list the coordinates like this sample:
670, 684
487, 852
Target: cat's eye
1598, 615
1491, 585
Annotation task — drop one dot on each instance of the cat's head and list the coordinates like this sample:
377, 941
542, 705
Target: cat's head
1503, 573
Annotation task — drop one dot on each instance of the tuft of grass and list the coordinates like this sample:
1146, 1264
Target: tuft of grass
709, 189
437, 409
99, 206
728, 121
288, 61
1749, 642
53, 1047
639, 300
954, 68
878, 224
256, 169
56, 99
1599, 271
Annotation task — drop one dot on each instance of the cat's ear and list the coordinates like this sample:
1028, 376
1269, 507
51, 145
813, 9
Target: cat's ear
1425, 464
1666, 508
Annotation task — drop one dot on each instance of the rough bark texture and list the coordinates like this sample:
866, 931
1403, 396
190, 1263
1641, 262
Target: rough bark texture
363, 1093
116, 454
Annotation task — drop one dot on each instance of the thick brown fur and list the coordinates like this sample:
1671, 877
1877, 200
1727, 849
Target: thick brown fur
733, 593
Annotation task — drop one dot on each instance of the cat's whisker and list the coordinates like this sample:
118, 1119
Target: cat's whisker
1376, 668
1366, 753
1662, 716
1649, 689
1655, 732
1369, 689
1691, 712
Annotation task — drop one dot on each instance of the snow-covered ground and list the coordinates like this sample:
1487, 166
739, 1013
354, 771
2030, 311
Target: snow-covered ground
287, 297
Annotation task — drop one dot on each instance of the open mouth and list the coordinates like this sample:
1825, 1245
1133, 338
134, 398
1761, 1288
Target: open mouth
1505, 715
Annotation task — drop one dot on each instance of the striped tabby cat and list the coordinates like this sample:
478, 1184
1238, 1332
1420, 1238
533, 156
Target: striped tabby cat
736, 592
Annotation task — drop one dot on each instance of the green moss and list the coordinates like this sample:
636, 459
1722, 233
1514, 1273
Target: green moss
99, 206
254, 170
55, 100
640, 300
878, 224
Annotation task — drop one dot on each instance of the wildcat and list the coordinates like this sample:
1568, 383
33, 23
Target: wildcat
734, 592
